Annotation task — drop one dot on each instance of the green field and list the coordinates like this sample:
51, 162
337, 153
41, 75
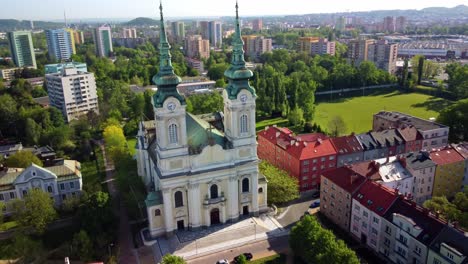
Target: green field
357, 111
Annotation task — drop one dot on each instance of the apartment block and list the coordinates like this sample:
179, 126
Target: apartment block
129, 33
257, 25
60, 43
73, 92
305, 43
22, 49
449, 247
389, 24
383, 55
412, 138
178, 30
349, 150
255, 46
358, 51
197, 47
462, 149
420, 165
102, 37
8, 74
78, 36
57, 68
449, 173
322, 47
434, 135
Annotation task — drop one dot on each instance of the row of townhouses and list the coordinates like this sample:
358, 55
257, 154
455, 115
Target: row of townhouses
387, 222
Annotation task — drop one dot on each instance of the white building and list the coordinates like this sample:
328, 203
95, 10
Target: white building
73, 92
395, 176
202, 171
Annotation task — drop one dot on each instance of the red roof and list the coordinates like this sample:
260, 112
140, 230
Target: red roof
346, 144
369, 169
345, 178
446, 156
375, 197
409, 133
273, 133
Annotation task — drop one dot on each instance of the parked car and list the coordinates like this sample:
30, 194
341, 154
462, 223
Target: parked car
315, 204
248, 256
222, 261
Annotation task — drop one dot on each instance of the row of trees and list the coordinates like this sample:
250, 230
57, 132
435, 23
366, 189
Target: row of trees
455, 211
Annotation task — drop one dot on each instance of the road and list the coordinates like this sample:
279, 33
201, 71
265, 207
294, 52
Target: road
260, 249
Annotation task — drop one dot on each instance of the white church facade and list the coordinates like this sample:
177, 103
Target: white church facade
201, 170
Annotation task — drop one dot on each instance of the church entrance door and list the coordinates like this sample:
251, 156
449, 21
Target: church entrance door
214, 215
245, 210
180, 225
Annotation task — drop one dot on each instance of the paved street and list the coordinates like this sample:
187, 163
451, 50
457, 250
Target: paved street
294, 212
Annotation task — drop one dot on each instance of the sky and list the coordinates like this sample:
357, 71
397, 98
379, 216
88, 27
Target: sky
85, 9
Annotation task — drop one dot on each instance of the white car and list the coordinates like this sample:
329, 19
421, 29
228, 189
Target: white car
222, 261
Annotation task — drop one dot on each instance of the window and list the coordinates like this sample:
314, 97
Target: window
388, 230
387, 242
260, 190
306, 162
62, 186
376, 220
437, 261
157, 212
374, 231
12, 195
449, 255
356, 207
179, 202
72, 185
173, 139
243, 124
25, 192
364, 224
332, 158
373, 242
1, 197
403, 239
364, 213
214, 191
245, 185
322, 159
49, 189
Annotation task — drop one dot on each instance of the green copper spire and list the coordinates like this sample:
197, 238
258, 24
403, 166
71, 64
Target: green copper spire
166, 80
237, 74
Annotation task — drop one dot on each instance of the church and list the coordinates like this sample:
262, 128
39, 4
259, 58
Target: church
200, 170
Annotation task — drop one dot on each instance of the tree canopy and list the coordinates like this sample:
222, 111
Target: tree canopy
282, 187
22, 159
456, 117
172, 259
455, 211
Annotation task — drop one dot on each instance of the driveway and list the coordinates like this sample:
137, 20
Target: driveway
295, 211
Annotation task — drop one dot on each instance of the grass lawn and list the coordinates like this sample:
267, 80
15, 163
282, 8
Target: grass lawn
275, 259
89, 171
131, 142
357, 111
280, 121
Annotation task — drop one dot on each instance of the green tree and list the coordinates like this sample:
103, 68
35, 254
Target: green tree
336, 126
242, 259
36, 210
172, 259
296, 117
8, 112
456, 117
115, 141
216, 71
26, 248
282, 187
82, 246
22, 159
33, 131
96, 214
2, 207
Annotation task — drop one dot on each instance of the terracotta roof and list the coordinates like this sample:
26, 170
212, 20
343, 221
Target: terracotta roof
345, 178
375, 197
309, 150
446, 156
369, 169
409, 133
346, 144
430, 227
273, 133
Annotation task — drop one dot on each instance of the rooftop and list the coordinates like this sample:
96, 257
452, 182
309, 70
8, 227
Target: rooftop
346, 144
392, 170
345, 178
375, 197
419, 160
409, 133
369, 169
387, 137
454, 239
366, 141
407, 120
462, 149
447, 155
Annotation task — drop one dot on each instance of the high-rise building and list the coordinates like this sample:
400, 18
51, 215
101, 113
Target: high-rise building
103, 41
255, 46
257, 24
178, 30
358, 51
401, 24
22, 49
304, 43
384, 55
321, 47
197, 47
60, 43
216, 33
129, 33
340, 23
78, 37
389, 24
57, 68
204, 29
73, 92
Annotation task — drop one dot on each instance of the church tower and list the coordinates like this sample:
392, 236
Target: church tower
239, 96
169, 108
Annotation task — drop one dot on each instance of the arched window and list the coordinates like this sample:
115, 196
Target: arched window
173, 139
244, 124
157, 212
49, 188
178, 199
214, 191
260, 190
245, 185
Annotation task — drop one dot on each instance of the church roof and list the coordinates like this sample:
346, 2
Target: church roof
153, 198
200, 132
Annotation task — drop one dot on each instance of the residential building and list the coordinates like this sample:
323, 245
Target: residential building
434, 135
412, 138
340, 23
305, 157
10, 149
420, 165
394, 175
200, 171
462, 149
390, 140
255, 46
129, 33
449, 247
407, 232
197, 47
196, 64
178, 30
449, 173
257, 25
372, 149
349, 150
389, 24
73, 92
383, 55
130, 43
8, 74
57, 68
216, 33
370, 203
322, 47
60, 44
205, 30
22, 49
358, 51
338, 187
401, 24
102, 37
305, 44
62, 180
78, 36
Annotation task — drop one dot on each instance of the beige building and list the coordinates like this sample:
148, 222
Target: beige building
73, 92
383, 55
129, 33
197, 47
8, 74
255, 46
321, 47
304, 43
358, 51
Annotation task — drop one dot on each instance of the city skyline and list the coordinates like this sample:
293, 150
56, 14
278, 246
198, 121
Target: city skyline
89, 9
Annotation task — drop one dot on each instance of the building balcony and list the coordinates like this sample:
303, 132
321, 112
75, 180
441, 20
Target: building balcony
217, 200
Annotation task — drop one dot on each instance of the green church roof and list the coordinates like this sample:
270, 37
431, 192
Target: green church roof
153, 198
200, 134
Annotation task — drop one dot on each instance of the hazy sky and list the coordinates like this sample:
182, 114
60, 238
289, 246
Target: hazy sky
53, 9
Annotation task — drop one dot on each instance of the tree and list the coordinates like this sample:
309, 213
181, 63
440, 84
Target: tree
115, 141
96, 213
216, 71
2, 207
336, 126
282, 187
242, 259
296, 117
82, 246
456, 117
8, 112
314, 244
36, 210
172, 259
26, 248
22, 159
33, 131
